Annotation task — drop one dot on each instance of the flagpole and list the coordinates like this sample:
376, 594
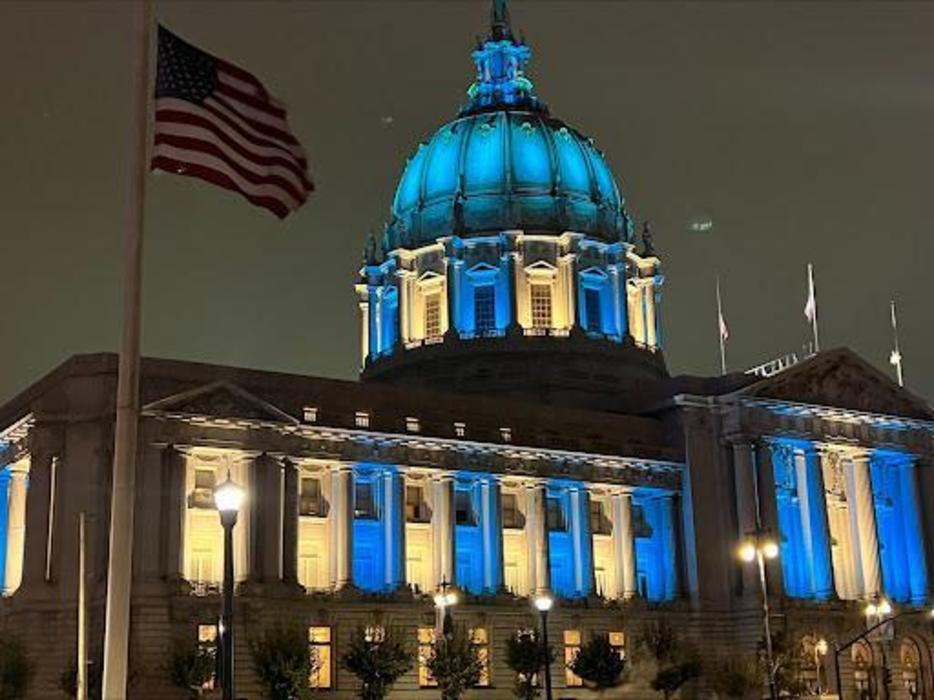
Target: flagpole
813, 296
82, 679
120, 561
720, 330
896, 358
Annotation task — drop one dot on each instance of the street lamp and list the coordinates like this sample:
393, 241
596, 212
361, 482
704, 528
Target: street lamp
820, 651
228, 498
543, 603
445, 599
758, 548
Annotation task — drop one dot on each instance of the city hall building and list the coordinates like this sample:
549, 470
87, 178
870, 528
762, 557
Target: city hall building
514, 431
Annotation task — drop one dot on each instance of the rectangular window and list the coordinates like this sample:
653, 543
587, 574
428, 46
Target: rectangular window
426, 635
463, 508
433, 315
512, 517
599, 523
415, 507
592, 311
541, 306
506, 434
572, 645
412, 425
207, 644
362, 419
460, 429
202, 496
310, 414
481, 642
319, 643
364, 505
556, 519
309, 500
484, 307
618, 642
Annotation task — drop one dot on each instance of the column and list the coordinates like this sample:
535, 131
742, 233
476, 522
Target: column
913, 528
267, 516
537, 528
648, 296
764, 480
492, 534
38, 510
364, 332
570, 278
863, 522
814, 521
442, 527
290, 523
452, 295
171, 554
403, 285
747, 511
16, 528
668, 521
583, 568
393, 529
624, 546
341, 522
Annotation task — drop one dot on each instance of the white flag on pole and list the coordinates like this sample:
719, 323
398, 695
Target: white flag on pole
810, 307
724, 331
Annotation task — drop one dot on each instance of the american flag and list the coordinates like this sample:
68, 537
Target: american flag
217, 122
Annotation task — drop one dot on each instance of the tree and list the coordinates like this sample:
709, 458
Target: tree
526, 656
15, 670
454, 664
191, 666
737, 677
676, 662
599, 664
284, 662
670, 678
378, 660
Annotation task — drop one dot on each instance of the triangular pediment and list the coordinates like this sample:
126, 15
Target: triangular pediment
220, 399
842, 379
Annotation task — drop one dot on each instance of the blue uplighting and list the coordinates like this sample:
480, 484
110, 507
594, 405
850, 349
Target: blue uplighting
377, 528
569, 543
4, 519
477, 544
654, 531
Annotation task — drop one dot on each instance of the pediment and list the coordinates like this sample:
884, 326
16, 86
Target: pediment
842, 379
221, 399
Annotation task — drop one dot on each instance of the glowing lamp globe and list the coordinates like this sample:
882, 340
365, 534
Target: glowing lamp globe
885, 607
229, 497
747, 551
770, 549
544, 603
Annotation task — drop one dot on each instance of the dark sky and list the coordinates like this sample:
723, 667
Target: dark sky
805, 131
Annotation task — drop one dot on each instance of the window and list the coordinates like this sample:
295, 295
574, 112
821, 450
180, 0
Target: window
207, 644
412, 424
484, 308
309, 500
618, 642
506, 434
364, 505
310, 414
319, 643
481, 642
362, 419
463, 509
202, 496
374, 633
599, 523
460, 429
512, 517
433, 315
415, 508
426, 635
541, 306
572, 645
593, 317
555, 513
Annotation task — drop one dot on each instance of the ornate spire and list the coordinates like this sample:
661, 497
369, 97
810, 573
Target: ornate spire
648, 245
500, 28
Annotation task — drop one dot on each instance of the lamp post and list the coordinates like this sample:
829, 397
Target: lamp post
228, 498
445, 600
543, 603
820, 651
757, 548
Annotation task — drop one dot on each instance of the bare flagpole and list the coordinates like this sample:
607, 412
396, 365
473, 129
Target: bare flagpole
120, 562
721, 330
811, 309
896, 357
82, 679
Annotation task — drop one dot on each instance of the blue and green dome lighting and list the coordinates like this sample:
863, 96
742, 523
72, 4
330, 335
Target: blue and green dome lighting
505, 163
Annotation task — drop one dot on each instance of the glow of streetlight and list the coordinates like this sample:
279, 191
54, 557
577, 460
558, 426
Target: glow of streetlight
747, 551
769, 549
544, 602
445, 599
885, 607
821, 646
228, 497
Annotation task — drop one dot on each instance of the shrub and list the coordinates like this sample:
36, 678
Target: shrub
15, 670
284, 662
599, 664
526, 656
676, 661
454, 664
736, 677
377, 660
191, 666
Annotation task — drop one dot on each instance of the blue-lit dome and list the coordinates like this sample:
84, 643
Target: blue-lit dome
505, 164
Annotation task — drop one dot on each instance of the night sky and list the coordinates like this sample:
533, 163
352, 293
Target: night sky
803, 131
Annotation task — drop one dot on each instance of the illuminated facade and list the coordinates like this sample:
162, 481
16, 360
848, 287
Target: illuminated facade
515, 432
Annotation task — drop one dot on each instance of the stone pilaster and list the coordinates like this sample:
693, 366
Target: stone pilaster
537, 529
341, 522
443, 529
290, 523
16, 528
864, 522
624, 545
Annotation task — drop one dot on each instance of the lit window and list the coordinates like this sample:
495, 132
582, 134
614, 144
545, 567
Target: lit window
426, 635
463, 509
362, 419
512, 518
541, 306
374, 634
593, 317
460, 429
319, 642
364, 505
484, 303
415, 508
412, 425
207, 644
310, 414
309, 500
506, 434
202, 496
481, 642
618, 642
433, 315
555, 514
572, 645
